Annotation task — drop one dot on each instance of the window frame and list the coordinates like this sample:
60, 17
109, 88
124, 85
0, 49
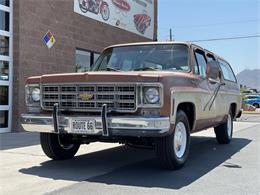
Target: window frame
189, 53
210, 55
201, 51
8, 58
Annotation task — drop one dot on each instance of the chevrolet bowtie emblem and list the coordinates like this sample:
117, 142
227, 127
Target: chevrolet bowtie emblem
86, 96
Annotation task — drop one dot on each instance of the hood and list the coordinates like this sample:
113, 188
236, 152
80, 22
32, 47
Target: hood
140, 76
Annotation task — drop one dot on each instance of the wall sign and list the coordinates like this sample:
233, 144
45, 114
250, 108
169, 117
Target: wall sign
49, 39
136, 16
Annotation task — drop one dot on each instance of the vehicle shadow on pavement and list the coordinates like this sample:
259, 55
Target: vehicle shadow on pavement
133, 167
18, 140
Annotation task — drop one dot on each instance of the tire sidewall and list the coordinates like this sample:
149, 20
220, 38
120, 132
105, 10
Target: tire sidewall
181, 117
231, 134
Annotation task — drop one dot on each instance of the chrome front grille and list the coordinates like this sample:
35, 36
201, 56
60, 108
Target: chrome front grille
89, 97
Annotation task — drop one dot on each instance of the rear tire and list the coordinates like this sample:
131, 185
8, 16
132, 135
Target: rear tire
173, 150
55, 149
224, 131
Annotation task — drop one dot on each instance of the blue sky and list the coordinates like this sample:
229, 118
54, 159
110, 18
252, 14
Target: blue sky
204, 19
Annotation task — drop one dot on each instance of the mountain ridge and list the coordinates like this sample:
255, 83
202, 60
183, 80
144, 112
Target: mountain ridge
249, 78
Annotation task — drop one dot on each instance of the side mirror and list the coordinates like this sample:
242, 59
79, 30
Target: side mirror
213, 71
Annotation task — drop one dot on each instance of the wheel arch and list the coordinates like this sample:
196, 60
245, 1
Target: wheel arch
190, 110
233, 109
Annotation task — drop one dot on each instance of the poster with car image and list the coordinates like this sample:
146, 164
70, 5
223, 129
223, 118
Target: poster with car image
136, 16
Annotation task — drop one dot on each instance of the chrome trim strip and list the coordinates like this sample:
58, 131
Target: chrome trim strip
44, 123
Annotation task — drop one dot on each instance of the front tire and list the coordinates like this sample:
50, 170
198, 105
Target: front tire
58, 147
173, 150
224, 131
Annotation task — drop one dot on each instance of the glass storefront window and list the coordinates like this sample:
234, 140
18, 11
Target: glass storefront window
96, 55
83, 61
4, 71
4, 45
5, 2
3, 118
3, 95
4, 20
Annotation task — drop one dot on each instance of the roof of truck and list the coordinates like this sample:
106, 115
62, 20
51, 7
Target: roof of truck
162, 43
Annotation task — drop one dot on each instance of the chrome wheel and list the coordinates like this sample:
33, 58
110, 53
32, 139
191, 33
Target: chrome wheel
180, 139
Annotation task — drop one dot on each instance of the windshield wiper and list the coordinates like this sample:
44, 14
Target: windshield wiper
146, 68
111, 69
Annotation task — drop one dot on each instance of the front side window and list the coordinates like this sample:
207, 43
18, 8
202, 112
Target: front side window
227, 71
201, 62
167, 57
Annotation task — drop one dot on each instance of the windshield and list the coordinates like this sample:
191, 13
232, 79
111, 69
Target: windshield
168, 57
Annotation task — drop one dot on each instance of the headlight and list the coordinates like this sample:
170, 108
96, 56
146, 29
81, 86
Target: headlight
152, 95
36, 94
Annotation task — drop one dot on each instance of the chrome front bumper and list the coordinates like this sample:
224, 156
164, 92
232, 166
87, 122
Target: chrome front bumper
116, 126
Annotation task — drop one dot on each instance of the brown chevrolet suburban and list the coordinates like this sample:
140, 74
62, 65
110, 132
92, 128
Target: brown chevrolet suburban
142, 94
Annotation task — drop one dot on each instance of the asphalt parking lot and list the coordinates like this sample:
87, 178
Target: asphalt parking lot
102, 168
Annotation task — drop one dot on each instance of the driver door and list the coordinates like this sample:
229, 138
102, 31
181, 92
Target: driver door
206, 106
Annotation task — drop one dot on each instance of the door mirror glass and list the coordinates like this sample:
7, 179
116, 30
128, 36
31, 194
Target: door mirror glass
213, 71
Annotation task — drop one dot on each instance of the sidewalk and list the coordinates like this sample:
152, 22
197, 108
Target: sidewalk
17, 140
257, 111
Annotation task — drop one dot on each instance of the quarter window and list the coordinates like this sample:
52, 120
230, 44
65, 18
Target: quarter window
201, 63
227, 71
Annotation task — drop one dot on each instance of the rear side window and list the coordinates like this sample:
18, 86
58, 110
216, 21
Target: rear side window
201, 62
227, 71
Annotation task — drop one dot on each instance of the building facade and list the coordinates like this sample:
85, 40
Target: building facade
59, 36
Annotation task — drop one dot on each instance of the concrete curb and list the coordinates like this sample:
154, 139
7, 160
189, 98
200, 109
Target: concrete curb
250, 112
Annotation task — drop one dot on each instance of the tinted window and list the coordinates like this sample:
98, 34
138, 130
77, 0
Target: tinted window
4, 45
3, 95
5, 2
4, 70
4, 20
201, 62
3, 118
227, 71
